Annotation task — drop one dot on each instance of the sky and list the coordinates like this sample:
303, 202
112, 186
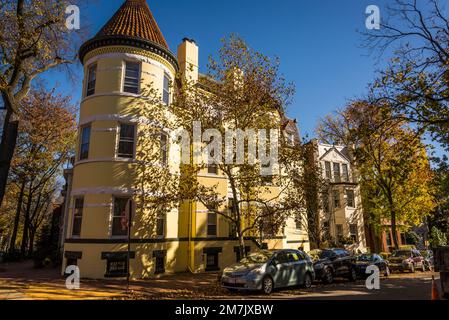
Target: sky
317, 42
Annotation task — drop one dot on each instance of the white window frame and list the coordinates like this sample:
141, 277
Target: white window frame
124, 76
166, 76
95, 66
73, 216
120, 123
133, 209
216, 225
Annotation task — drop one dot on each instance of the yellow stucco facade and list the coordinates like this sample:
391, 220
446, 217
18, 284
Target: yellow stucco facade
101, 177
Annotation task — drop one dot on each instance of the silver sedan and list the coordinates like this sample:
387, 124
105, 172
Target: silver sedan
269, 269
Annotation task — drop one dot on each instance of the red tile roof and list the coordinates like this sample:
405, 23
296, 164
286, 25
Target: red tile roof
134, 19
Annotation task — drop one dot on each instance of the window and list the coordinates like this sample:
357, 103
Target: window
353, 232
159, 266
345, 172
85, 140
166, 90
339, 232
350, 201
77, 217
126, 141
211, 224
267, 180
212, 169
91, 80
116, 267
160, 226
132, 77
212, 261
72, 262
327, 167
122, 211
388, 237
337, 174
336, 196
298, 222
290, 138
164, 149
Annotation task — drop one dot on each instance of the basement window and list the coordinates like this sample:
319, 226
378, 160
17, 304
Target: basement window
116, 268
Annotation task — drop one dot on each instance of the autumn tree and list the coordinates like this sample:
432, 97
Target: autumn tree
242, 93
46, 140
33, 39
394, 171
415, 85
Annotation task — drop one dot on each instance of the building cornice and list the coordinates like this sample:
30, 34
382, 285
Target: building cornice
145, 45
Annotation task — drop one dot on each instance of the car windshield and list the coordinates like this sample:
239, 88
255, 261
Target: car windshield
365, 257
326, 254
256, 257
401, 253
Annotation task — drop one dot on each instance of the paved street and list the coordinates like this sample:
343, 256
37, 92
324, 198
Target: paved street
21, 281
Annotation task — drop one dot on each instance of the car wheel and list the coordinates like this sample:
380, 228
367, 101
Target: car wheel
352, 275
387, 272
328, 277
267, 285
307, 281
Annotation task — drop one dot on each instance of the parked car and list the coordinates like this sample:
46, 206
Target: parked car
331, 263
269, 269
368, 259
428, 258
406, 260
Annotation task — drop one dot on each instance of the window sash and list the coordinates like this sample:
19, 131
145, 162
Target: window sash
126, 141
77, 217
211, 224
336, 199
91, 80
337, 174
117, 267
212, 169
328, 170
166, 90
120, 216
85, 142
132, 77
350, 198
159, 265
345, 173
160, 226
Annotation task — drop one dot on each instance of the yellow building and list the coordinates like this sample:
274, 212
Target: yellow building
128, 53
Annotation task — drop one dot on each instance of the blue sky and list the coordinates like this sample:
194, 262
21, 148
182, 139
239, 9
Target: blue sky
316, 41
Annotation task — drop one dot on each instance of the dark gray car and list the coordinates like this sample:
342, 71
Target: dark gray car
269, 269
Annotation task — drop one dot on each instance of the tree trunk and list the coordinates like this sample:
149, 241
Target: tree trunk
394, 230
12, 241
31, 242
26, 223
7, 146
241, 245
